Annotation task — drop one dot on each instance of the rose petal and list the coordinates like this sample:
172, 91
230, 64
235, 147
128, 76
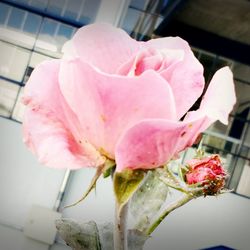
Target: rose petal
218, 100
152, 143
51, 129
185, 77
104, 46
149, 58
108, 104
164, 138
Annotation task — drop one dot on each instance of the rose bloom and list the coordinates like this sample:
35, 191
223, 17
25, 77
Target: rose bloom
209, 172
113, 97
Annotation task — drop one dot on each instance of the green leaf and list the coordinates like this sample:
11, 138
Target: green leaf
90, 236
83, 236
136, 239
125, 184
148, 200
106, 236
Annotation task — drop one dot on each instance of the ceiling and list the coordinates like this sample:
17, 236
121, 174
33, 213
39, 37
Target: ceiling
219, 26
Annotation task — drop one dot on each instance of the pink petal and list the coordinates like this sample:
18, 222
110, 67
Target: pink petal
152, 143
108, 104
150, 58
51, 129
104, 46
218, 100
53, 144
185, 77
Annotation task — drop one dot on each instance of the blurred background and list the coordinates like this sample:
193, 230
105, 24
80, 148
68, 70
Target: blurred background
31, 196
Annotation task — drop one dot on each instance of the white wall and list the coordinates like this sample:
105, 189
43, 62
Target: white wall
23, 182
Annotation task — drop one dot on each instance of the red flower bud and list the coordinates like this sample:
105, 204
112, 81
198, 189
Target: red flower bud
209, 172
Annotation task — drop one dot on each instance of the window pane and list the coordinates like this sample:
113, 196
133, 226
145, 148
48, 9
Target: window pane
89, 11
56, 7
65, 32
72, 9
244, 183
16, 18
48, 27
242, 72
8, 94
13, 61
35, 59
32, 23
19, 107
4, 9
131, 19
138, 4
38, 4
52, 37
23, 30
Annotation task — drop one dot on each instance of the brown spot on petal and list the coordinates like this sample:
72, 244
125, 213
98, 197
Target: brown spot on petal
183, 133
103, 118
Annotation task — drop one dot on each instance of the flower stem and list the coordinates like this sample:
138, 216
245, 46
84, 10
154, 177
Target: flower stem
180, 202
120, 228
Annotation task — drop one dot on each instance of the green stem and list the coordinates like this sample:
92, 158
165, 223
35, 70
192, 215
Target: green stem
120, 228
180, 202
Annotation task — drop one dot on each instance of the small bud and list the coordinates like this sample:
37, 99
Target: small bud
209, 172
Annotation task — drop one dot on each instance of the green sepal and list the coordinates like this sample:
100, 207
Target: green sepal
91, 186
108, 168
126, 183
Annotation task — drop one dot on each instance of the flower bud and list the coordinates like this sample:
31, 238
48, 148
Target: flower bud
208, 172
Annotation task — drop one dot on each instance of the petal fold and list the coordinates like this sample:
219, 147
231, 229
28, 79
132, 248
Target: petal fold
108, 104
104, 46
185, 77
218, 100
152, 143
51, 130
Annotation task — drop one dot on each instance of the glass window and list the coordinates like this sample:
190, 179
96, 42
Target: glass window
13, 61
21, 29
16, 18
37, 58
8, 94
57, 7
242, 72
138, 4
244, 183
49, 27
65, 32
131, 19
72, 9
23, 2
52, 37
4, 10
89, 11
32, 23
19, 107
38, 4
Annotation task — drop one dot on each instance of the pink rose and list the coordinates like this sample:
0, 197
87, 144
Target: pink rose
209, 172
113, 97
